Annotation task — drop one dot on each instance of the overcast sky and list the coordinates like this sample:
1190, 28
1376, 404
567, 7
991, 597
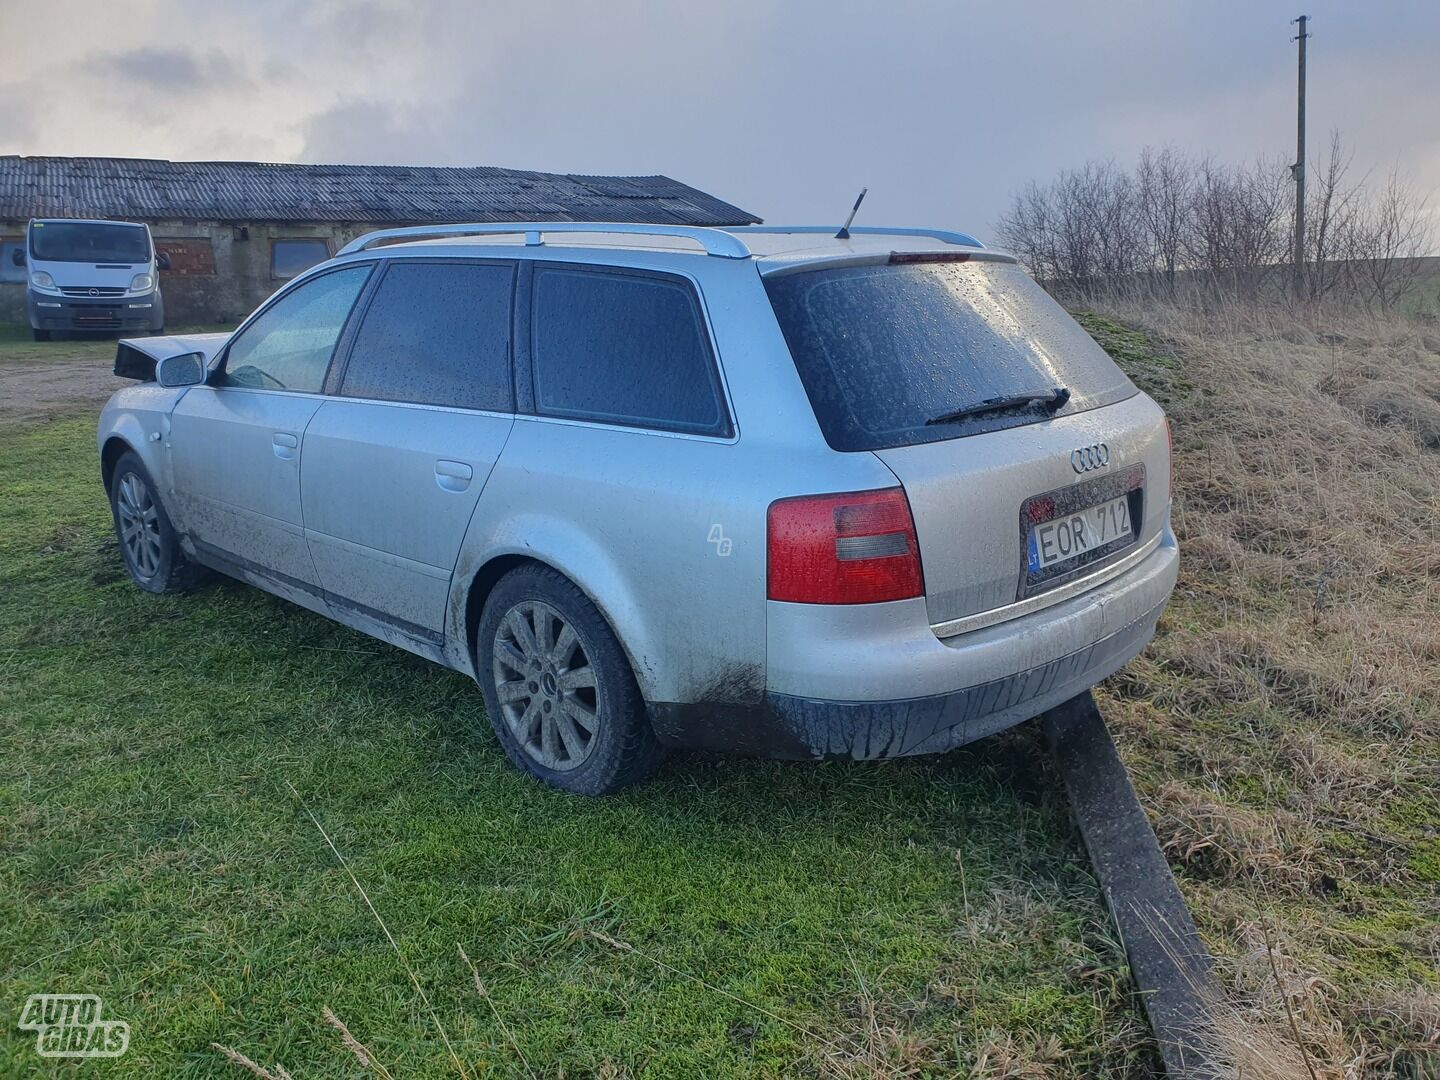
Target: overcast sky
785, 108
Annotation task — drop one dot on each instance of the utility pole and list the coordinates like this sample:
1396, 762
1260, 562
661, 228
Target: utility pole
1298, 169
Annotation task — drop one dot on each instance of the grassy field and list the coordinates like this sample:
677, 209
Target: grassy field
925, 918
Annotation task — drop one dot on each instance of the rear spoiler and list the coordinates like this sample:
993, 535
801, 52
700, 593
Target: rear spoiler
780, 265
135, 358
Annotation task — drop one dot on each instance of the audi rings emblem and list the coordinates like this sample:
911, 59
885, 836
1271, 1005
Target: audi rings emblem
1089, 458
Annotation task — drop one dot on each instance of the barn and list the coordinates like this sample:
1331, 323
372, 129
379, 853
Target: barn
236, 230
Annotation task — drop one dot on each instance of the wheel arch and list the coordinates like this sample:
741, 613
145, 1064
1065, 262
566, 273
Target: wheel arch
116, 447
480, 584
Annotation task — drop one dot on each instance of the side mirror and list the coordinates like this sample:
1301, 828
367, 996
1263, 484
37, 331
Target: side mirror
162, 261
187, 369
18, 256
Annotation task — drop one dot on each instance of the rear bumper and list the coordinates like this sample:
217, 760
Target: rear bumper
786, 726
865, 730
47, 312
898, 692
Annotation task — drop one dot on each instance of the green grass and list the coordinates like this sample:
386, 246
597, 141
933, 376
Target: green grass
153, 854
916, 918
18, 345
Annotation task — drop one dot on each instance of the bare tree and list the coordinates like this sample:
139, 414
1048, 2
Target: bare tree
1222, 229
1393, 235
1164, 188
1331, 221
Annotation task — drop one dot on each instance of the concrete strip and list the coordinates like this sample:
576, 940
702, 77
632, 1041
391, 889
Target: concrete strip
1168, 960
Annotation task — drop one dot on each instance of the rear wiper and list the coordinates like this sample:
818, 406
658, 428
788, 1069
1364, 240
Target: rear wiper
1051, 400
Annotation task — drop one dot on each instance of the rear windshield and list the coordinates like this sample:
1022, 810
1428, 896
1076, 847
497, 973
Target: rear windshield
75, 241
882, 349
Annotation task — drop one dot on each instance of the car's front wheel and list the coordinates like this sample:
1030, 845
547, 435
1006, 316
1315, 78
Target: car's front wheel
148, 541
41, 335
558, 686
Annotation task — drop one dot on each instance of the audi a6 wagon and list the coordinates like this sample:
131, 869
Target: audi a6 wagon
761, 490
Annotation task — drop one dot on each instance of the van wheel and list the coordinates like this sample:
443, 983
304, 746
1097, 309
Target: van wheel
148, 542
41, 335
558, 687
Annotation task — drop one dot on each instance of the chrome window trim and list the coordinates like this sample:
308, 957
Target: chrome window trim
600, 425
1043, 600
424, 406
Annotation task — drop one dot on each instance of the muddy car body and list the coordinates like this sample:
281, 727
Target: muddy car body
758, 490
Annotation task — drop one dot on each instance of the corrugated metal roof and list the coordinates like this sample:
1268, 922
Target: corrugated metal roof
243, 191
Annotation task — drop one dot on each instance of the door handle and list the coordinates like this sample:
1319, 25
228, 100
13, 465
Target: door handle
284, 444
453, 475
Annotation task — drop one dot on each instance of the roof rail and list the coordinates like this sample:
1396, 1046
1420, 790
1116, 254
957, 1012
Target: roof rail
714, 241
963, 239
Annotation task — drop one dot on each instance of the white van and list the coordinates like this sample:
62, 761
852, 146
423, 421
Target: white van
91, 275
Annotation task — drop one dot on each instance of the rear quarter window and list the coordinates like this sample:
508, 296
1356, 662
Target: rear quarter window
624, 348
885, 348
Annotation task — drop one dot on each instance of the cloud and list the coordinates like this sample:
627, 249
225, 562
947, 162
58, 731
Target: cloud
371, 132
171, 71
16, 114
942, 109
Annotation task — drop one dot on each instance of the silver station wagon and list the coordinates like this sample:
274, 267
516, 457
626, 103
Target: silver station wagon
761, 490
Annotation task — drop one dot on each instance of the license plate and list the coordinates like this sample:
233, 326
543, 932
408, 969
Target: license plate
1072, 535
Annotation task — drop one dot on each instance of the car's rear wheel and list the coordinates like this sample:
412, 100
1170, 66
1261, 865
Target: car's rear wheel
558, 686
148, 541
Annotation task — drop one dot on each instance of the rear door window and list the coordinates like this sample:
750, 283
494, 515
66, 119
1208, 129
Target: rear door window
624, 348
437, 333
884, 350
289, 345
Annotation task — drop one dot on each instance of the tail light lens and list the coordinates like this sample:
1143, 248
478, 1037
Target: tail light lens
853, 548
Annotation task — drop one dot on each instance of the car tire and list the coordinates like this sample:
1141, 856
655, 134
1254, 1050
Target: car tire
41, 335
149, 545
552, 694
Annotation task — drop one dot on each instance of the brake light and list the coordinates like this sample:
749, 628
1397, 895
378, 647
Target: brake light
928, 257
858, 547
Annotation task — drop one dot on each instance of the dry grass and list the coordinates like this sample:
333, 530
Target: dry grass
1285, 726
930, 918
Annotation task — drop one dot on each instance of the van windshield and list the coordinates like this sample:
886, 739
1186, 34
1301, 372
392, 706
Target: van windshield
82, 241
887, 352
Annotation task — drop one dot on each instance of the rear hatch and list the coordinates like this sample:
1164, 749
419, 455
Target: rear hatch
1029, 460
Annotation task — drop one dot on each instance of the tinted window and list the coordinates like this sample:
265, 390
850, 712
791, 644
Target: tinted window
623, 349
291, 257
8, 270
289, 346
436, 333
78, 241
882, 349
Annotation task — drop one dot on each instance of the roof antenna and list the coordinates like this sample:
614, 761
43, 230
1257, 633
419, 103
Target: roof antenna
844, 233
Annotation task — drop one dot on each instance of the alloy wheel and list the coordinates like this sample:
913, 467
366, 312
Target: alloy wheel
545, 686
139, 524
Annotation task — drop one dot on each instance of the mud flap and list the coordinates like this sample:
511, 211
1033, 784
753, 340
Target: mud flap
1170, 964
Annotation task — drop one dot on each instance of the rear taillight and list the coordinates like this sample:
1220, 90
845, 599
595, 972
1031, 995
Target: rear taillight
854, 548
